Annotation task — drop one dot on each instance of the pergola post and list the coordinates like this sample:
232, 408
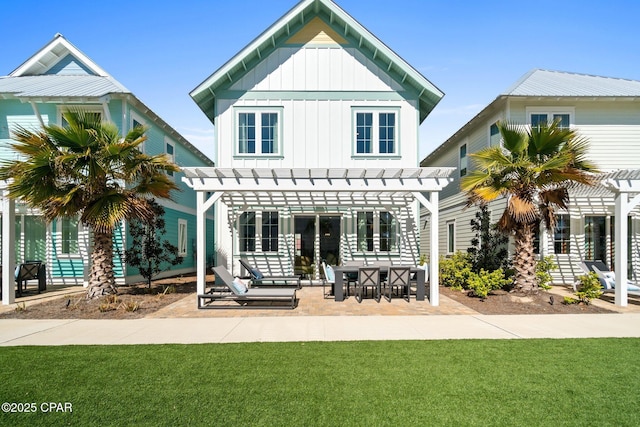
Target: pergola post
8, 248
432, 206
203, 205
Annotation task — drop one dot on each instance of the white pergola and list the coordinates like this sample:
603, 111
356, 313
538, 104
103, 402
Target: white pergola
625, 184
248, 186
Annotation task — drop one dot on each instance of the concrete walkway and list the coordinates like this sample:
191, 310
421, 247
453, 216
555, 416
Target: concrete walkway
15, 332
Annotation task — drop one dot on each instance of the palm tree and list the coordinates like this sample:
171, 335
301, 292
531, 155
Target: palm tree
87, 169
534, 170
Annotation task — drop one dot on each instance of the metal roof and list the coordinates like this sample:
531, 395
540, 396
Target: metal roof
558, 83
60, 86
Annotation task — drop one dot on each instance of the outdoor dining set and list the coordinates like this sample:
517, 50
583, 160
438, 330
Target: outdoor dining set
382, 279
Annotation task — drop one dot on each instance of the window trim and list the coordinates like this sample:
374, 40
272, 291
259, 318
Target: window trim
58, 236
258, 234
563, 242
375, 135
466, 159
550, 111
168, 142
258, 111
451, 237
377, 237
183, 237
84, 108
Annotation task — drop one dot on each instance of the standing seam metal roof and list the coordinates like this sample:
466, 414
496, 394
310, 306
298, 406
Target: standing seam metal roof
60, 86
558, 83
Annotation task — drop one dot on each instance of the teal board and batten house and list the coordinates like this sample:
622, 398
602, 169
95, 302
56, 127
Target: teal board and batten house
607, 112
55, 78
317, 125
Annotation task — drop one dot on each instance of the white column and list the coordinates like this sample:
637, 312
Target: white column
201, 243
622, 210
8, 249
434, 279
203, 205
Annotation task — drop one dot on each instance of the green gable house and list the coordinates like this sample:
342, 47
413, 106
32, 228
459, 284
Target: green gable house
56, 78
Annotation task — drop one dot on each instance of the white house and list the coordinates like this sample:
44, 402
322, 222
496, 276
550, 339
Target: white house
316, 125
604, 110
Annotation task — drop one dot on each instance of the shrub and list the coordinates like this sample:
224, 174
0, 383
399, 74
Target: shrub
455, 271
570, 300
130, 306
488, 248
589, 287
543, 267
484, 282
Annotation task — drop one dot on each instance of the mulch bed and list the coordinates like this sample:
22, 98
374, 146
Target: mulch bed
503, 302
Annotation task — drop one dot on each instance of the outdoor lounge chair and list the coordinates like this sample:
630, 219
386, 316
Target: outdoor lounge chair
607, 277
251, 298
259, 279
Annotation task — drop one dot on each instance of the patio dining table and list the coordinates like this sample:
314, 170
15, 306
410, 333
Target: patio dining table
341, 270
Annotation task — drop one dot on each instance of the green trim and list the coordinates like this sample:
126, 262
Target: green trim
318, 95
258, 110
376, 140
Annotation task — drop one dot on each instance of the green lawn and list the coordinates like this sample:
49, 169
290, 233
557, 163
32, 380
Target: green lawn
457, 383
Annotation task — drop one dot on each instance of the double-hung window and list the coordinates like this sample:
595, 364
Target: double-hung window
250, 223
375, 132
259, 132
376, 231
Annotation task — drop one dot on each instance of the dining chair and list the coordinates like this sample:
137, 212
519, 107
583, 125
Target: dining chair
368, 277
399, 278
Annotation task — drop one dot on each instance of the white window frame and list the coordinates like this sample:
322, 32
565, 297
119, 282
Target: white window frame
375, 131
135, 117
58, 234
451, 237
550, 112
183, 237
258, 111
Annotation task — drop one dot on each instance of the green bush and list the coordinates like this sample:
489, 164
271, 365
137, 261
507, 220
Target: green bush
455, 271
486, 281
543, 267
589, 287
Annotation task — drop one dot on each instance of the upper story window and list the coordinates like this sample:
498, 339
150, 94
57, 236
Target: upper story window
494, 136
541, 116
135, 122
96, 112
375, 132
463, 160
259, 132
170, 150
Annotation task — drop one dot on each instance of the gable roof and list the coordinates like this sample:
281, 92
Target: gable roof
552, 84
343, 26
60, 72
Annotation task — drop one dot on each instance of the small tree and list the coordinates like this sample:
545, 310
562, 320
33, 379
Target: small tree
149, 252
488, 249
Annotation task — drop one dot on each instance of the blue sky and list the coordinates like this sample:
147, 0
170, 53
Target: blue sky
471, 50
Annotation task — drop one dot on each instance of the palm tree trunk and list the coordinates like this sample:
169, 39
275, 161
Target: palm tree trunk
524, 259
102, 280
